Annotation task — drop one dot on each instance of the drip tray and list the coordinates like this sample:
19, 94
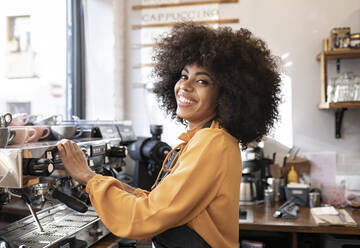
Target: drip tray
59, 223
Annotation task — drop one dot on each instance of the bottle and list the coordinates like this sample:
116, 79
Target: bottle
355, 40
268, 198
292, 176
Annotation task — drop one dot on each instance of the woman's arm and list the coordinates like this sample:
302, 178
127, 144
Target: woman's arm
179, 198
127, 188
76, 165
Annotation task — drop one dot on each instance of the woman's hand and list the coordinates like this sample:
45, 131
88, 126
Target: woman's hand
74, 161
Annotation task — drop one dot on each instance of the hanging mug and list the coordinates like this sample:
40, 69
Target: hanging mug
5, 120
6, 136
41, 132
20, 119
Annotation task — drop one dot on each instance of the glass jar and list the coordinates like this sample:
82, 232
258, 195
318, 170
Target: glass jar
339, 89
349, 82
357, 88
344, 88
340, 37
330, 90
355, 41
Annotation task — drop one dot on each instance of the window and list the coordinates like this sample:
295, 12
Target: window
33, 46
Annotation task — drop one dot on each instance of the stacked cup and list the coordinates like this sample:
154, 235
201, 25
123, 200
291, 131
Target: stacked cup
25, 134
6, 135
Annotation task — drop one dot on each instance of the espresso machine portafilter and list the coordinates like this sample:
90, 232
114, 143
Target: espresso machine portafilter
51, 187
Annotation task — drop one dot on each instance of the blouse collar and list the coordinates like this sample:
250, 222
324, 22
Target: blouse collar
189, 134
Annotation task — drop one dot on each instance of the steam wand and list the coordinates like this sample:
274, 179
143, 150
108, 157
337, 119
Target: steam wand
32, 211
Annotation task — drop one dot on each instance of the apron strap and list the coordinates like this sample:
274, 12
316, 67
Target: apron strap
179, 237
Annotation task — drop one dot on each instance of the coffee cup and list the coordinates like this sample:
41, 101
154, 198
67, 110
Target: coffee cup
276, 184
33, 118
6, 136
20, 119
22, 135
50, 120
314, 199
41, 132
65, 132
5, 120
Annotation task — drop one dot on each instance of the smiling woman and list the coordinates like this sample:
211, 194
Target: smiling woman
224, 86
196, 96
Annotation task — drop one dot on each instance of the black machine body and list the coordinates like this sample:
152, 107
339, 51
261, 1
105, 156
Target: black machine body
149, 154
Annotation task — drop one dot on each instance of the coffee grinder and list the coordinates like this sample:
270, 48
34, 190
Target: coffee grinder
255, 171
149, 154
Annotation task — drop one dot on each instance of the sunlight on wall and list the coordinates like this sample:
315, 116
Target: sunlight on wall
283, 129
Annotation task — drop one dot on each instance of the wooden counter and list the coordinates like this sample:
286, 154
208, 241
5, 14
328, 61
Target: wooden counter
264, 221
304, 223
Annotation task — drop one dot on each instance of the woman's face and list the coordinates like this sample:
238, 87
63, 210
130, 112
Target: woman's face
196, 96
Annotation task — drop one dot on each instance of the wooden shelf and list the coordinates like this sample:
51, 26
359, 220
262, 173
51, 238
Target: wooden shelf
324, 57
166, 5
159, 25
138, 66
340, 54
338, 105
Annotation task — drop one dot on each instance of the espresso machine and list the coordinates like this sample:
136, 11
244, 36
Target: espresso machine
40, 205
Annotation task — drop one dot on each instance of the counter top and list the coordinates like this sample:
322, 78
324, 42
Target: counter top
263, 220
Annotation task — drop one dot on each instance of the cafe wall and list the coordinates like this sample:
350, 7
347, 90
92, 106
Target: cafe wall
103, 89
294, 31
297, 28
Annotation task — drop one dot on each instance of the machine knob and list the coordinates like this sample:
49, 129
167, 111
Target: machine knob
40, 167
95, 232
117, 151
85, 151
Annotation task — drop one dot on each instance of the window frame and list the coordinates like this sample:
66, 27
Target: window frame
75, 60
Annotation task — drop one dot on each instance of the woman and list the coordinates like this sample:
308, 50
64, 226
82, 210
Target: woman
224, 86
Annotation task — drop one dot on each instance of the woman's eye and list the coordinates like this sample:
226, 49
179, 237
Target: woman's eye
184, 77
202, 82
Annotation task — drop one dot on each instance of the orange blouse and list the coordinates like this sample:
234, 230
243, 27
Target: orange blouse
201, 191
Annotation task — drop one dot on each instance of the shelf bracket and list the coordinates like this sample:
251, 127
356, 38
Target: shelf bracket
339, 114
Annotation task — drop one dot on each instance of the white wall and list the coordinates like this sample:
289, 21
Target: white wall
139, 105
293, 27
